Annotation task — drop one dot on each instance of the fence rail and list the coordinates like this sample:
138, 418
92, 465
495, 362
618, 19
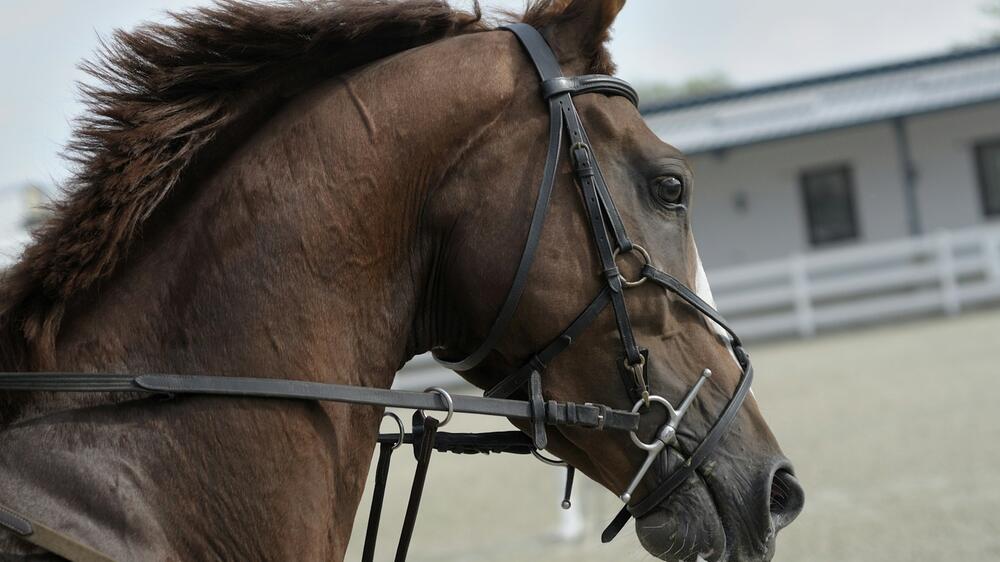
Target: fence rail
942, 272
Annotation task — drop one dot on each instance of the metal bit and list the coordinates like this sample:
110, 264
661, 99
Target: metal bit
667, 433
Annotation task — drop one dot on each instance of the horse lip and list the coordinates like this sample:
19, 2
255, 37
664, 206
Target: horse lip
707, 510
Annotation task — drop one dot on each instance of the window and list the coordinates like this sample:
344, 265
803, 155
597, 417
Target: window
829, 199
988, 162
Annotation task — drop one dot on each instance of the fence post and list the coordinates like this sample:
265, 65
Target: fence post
948, 276
991, 253
804, 317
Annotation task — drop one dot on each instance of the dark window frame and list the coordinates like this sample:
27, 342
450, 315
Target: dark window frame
847, 171
978, 149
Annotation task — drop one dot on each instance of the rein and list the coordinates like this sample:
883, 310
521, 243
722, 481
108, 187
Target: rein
611, 241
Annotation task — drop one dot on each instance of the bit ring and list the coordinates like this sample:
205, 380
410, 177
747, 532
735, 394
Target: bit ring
635, 409
547, 460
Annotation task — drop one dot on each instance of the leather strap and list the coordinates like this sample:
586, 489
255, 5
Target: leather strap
422, 451
538, 49
538, 433
514, 442
587, 176
540, 361
589, 83
614, 218
559, 91
587, 415
513, 298
715, 434
378, 496
48, 539
674, 285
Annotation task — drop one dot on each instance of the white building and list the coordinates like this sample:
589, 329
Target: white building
855, 157
855, 197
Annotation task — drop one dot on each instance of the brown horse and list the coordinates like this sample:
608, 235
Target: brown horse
321, 191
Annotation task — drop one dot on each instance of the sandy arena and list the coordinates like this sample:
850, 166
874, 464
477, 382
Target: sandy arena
894, 432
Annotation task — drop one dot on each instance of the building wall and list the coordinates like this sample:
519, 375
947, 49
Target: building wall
766, 177
943, 149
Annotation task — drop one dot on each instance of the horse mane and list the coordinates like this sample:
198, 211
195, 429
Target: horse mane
162, 93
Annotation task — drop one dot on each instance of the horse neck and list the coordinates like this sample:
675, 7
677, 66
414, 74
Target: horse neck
294, 258
316, 248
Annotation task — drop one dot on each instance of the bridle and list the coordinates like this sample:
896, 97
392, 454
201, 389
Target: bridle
611, 241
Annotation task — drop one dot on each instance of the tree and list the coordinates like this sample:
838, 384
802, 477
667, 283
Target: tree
706, 84
992, 9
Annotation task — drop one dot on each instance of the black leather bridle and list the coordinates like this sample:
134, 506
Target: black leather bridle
610, 240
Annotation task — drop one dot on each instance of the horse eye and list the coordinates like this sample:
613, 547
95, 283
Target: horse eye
669, 189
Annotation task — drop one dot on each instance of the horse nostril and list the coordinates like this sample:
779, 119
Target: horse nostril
787, 498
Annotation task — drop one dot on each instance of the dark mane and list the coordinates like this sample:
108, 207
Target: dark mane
164, 92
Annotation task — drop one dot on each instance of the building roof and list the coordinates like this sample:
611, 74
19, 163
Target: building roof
827, 102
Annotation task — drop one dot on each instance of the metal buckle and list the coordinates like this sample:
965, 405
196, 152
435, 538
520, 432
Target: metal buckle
602, 412
637, 249
638, 371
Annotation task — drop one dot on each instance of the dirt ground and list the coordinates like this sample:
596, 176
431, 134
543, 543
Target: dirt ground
894, 432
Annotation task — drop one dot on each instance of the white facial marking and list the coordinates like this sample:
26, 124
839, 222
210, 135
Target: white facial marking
703, 290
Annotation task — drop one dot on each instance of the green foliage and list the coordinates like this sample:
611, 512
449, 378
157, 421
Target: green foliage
992, 9
657, 92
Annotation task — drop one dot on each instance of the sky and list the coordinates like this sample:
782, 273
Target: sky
41, 41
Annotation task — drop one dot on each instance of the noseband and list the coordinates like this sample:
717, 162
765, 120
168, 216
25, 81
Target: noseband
611, 241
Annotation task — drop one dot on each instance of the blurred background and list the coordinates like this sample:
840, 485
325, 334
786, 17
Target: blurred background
847, 159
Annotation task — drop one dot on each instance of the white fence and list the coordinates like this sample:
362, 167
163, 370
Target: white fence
942, 272
938, 273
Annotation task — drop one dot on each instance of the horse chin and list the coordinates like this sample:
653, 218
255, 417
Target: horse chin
686, 528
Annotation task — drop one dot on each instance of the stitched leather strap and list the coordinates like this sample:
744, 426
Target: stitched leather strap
590, 83
588, 178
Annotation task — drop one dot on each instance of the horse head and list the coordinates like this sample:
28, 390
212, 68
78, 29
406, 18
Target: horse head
620, 229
